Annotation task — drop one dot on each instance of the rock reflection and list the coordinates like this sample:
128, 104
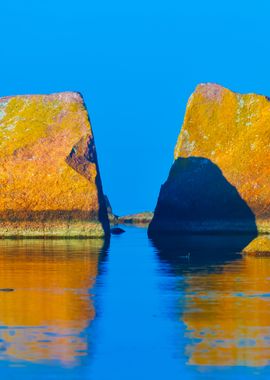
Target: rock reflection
227, 314
225, 306
46, 315
204, 248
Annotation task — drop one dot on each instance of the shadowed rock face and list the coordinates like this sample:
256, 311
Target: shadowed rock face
232, 131
198, 198
113, 219
49, 175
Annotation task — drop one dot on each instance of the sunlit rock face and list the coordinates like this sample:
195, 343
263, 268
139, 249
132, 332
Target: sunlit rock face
49, 175
260, 246
228, 135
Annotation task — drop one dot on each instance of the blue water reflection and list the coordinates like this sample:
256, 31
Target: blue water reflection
133, 310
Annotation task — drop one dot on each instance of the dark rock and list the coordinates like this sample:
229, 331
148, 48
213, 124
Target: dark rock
197, 198
113, 219
117, 231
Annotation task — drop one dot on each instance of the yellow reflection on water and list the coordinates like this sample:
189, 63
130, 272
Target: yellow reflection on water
45, 316
227, 314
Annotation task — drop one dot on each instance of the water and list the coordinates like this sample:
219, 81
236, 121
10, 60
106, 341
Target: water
135, 309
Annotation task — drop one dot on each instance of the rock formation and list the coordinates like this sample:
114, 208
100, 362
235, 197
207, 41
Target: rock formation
113, 219
141, 218
260, 246
49, 175
220, 177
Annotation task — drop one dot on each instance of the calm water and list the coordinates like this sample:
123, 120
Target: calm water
133, 310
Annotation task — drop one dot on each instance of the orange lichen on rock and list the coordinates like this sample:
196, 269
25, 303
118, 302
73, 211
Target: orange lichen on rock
232, 132
260, 246
49, 176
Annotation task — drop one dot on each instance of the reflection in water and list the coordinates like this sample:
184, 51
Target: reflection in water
44, 318
160, 313
226, 300
227, 314
201, 247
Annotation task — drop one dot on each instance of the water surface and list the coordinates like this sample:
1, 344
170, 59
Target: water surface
133, 309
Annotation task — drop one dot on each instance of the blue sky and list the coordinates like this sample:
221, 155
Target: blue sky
136, 63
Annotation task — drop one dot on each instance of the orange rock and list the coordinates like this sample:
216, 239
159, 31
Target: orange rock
222, 153
260, 246
49, 176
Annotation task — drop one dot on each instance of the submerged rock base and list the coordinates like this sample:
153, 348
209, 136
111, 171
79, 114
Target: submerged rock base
48, 229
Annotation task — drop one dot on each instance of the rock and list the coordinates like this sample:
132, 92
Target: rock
220, 177
142, 218
113, 219
260, 246
117, 231
49, 175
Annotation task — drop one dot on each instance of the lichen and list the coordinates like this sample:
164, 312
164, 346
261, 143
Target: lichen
234, 132
37, 134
